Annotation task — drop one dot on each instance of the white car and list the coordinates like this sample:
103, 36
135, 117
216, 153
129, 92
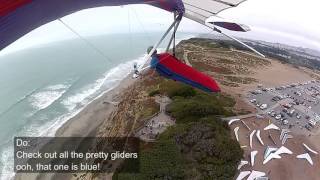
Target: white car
263, 106
278, 117
253, 100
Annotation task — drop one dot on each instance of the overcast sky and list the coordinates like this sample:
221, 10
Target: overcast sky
285, 21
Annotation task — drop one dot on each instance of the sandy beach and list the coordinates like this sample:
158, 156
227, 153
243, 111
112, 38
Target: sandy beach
86, 122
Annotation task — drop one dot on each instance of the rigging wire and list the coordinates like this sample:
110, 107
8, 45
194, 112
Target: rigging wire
130, 31
109, 60
142, 26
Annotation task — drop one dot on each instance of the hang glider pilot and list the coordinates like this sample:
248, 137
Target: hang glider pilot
135, 69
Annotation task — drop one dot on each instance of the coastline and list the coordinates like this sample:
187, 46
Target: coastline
86, 122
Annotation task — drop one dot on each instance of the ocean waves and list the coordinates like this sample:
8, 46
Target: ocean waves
47, 96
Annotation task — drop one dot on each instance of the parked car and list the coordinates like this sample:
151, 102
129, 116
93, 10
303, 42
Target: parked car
263, 106
308, 127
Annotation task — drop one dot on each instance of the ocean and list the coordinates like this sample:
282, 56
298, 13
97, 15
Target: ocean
43, 86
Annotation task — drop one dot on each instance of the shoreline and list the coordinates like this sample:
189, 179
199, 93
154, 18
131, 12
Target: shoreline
86, 122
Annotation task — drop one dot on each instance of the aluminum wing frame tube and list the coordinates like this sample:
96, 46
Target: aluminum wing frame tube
173, 37
177, 20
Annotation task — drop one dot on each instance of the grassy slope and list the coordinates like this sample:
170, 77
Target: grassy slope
199, 146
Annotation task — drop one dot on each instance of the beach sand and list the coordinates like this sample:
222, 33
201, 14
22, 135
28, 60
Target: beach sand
276, 74
93, 115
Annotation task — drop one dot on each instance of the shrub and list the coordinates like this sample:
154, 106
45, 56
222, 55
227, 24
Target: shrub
154, 92
175, 89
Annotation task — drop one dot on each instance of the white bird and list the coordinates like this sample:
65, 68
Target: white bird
251, 136
243, 174
259, 137
252, 157
236, 133
305, 156
271, 126
309, 149
283, 150
242, 163
232, 121
271, 156
256, 174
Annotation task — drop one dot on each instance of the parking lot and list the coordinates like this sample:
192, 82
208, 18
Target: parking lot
295, 106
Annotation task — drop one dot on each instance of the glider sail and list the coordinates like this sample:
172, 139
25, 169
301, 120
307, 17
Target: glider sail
172, 68
19, 17
200, 11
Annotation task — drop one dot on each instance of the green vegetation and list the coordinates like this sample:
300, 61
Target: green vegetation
148, 109
199, 106
199, 146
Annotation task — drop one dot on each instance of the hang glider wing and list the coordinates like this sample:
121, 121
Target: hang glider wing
19, 17
252, 157
243, 174
305, 156
232, 121
259, 137
309, 149
205, 12
236, 133
271, 126
255, 175
172, 68
270, 157
200, 11
283, 150
251, 136
242, 163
